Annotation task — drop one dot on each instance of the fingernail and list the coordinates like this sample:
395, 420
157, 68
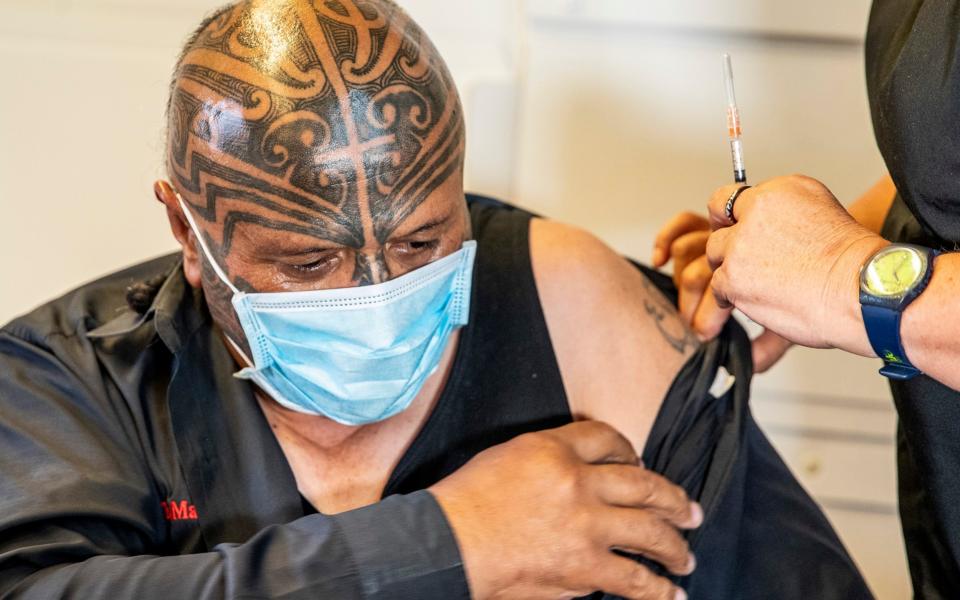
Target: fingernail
696, 514
691, 563
681, 595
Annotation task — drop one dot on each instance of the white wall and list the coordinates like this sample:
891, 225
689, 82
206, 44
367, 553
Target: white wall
81, 118
606, 113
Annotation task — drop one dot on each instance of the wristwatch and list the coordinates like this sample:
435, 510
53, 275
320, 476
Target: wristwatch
889, 281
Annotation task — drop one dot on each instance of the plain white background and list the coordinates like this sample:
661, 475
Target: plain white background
605, 113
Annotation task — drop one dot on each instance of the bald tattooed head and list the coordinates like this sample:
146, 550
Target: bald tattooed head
319, 144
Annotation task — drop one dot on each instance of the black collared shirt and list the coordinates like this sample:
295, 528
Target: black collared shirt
133, 465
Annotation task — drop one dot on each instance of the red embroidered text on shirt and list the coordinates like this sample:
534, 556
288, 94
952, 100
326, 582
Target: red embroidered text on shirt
179, 511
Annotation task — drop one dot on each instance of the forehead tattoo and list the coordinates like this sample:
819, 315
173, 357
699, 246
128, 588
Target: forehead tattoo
332, 118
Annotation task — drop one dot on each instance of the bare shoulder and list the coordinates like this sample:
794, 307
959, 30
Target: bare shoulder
618, 340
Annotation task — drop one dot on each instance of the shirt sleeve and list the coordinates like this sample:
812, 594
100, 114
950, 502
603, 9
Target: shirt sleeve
76, 522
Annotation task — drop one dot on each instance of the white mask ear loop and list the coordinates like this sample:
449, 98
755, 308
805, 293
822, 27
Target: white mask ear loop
216, 269
203, 246
240, 351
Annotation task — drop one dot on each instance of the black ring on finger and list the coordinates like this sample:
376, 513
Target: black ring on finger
728, 208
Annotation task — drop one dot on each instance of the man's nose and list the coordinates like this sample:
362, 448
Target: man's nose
371, 268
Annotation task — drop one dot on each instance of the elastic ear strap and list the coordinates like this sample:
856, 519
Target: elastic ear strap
239, 350
203, 246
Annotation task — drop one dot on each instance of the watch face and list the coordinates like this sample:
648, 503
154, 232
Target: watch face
893, 271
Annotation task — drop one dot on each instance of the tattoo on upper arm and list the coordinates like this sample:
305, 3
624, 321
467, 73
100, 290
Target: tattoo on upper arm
668, 321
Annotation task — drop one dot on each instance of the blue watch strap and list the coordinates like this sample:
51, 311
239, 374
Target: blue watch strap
883, 330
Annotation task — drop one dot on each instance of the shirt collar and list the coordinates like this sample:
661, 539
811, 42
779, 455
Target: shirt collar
177, 312
235, 470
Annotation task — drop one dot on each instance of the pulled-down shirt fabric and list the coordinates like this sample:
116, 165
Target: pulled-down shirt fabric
134, 465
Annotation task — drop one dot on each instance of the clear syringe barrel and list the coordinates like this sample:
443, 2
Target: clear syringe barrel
733, 123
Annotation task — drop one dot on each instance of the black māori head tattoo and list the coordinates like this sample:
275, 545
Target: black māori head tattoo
318, 143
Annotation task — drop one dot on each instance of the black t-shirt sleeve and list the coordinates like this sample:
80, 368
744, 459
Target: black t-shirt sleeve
80, 514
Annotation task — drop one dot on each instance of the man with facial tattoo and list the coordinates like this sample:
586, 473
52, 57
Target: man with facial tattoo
354, 381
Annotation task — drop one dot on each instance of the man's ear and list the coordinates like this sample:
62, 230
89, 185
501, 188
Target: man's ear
192, 261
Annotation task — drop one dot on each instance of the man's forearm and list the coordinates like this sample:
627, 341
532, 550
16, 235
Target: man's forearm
401, 547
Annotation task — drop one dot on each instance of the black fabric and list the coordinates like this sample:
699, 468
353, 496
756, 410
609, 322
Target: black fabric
106, 414
913, 78
928, 468
132, 465
901, 226
505, 380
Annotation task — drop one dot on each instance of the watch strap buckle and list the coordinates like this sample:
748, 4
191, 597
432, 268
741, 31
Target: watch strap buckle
899, 372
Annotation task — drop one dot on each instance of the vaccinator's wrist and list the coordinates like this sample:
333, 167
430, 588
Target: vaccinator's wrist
927, 329
842, 320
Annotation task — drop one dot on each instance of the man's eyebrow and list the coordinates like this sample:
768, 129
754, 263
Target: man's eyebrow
429, 225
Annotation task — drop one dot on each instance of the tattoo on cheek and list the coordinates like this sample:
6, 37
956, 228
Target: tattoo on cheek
219, 302
668, 322
370, 270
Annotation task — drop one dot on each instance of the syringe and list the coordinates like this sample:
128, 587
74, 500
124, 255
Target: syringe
733, 123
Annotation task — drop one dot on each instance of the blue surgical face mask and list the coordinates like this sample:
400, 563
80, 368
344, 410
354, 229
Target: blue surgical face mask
356, 355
